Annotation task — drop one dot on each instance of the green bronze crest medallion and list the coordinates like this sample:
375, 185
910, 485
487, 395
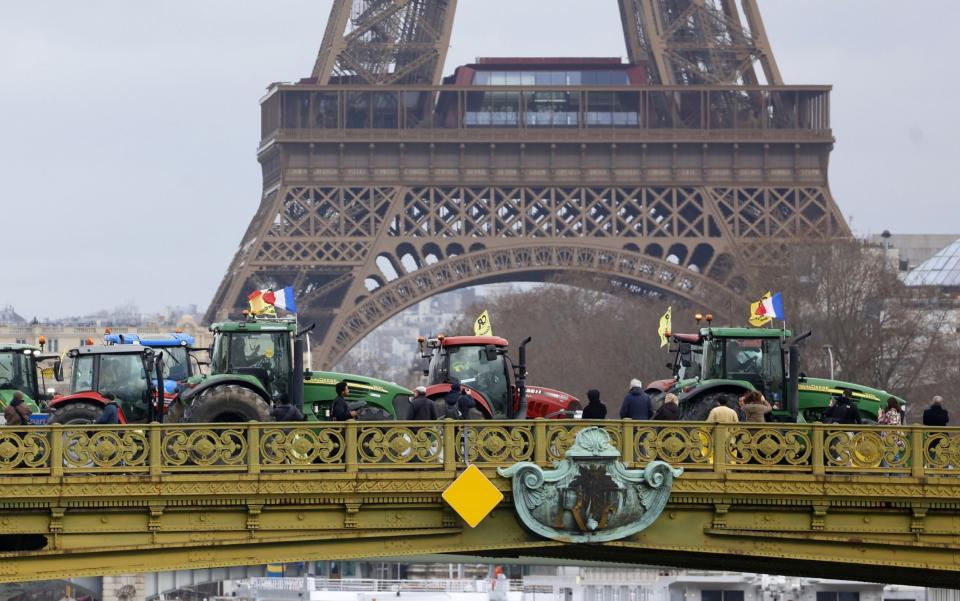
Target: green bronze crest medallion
590, 497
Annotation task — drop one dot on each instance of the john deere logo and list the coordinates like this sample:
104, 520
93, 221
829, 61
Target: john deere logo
590, 497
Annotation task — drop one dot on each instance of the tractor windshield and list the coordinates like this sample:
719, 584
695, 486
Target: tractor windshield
17, 372
469, 365
176, 363
262, 354
124, 376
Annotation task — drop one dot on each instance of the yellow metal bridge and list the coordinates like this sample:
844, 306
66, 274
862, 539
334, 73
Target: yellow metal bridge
864, 502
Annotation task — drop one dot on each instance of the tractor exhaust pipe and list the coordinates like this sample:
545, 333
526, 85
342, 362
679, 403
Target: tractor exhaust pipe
296, 376
160, 404
794, 383
522, 377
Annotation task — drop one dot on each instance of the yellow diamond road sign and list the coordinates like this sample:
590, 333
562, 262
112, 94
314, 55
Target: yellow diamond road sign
472, 495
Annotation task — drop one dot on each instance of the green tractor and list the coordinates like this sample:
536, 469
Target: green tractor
19, 365
719, 362
258, 362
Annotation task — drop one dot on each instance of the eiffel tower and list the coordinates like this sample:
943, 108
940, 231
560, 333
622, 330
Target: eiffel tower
385, 182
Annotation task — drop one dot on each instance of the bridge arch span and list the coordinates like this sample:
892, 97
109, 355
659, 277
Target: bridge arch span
521, 263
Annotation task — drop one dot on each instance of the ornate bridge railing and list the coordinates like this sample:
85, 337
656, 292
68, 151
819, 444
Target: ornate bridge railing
254, 448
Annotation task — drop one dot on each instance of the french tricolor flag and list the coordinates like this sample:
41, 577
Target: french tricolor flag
284, 299
771, 306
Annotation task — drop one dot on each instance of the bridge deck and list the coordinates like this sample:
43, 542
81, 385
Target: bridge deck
868, 502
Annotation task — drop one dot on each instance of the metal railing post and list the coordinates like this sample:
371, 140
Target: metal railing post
540, 441
917, 466
253, 447
817, 456
627, 432
56, 450
449, 445
350, 454
720, 448
156, 452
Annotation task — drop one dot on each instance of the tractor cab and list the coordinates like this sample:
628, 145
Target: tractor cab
479, 363
125, 371
175, 348
754, 356
259, 348
19, 365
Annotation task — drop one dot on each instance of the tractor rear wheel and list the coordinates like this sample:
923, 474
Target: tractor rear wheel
229, 403
697, 410
77, 413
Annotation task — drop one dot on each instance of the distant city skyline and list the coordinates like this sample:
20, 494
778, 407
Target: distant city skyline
129, 164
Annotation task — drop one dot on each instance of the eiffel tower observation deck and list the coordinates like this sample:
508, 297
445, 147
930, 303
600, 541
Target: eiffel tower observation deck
386, 181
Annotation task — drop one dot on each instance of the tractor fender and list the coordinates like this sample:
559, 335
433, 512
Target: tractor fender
660, 386
713, 386
87, 396
438, 391
208, 382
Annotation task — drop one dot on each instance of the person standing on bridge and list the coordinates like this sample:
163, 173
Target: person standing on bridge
755, 407
110, 413
636, 405
457, 403
340, 410
595, 408
17, 413
722, 413
935, 414
421, 408
670, 410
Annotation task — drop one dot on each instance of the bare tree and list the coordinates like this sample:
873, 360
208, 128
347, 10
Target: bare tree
849, 294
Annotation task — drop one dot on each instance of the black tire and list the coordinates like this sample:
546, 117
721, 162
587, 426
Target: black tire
697, 409
228, 403
77, 413
174, 414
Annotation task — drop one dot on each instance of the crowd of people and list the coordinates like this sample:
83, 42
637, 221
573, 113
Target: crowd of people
751, 406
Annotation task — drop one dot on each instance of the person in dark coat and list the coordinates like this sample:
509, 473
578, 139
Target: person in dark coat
286, 412
340, 410
670, 410
595, 408
636, 405
17, 413
457, 403
110, 413
935, 414
844, 411
421, 408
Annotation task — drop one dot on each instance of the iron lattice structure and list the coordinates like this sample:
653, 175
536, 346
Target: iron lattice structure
383, 187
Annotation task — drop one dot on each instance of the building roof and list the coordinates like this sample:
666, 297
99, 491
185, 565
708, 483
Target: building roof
942, 269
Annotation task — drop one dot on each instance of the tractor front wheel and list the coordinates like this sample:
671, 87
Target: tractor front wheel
229, 403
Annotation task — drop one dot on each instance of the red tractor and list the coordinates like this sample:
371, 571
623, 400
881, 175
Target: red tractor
487, 374
129, 372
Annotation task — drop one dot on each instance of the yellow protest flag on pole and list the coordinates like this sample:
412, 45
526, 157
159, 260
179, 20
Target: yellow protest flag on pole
665, 326
482, 326
758, 313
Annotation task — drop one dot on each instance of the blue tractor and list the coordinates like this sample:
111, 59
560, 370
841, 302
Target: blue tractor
176, 355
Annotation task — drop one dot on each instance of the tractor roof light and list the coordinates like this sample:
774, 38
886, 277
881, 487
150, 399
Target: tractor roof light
42, 340
90, 341
107, 331
709, 317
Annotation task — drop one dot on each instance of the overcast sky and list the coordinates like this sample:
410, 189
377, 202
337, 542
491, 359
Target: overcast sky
130, 128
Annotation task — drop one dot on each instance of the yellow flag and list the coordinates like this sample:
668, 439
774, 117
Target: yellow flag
758, 314
665, 326
482, 326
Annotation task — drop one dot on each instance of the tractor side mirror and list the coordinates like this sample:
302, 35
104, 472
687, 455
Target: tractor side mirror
489, 353
803, 377
58, 370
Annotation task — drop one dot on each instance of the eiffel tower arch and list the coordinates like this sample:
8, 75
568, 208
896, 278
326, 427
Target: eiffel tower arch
386, 182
